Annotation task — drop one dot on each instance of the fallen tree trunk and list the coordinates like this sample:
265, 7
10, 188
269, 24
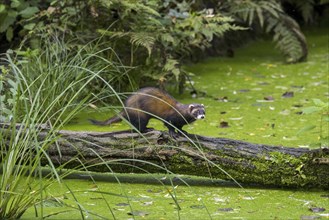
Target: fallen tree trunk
156, 152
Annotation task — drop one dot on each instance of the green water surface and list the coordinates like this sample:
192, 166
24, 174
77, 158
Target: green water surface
103, 200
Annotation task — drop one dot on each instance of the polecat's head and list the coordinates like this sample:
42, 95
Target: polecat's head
197, 111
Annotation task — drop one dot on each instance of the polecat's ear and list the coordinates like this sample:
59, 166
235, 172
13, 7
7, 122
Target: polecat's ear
202, 105
191, 107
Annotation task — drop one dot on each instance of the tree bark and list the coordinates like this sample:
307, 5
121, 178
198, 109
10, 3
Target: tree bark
156, 152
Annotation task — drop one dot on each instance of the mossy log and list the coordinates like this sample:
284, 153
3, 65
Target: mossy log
156, 152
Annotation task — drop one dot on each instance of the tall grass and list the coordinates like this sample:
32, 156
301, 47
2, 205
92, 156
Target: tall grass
39, 90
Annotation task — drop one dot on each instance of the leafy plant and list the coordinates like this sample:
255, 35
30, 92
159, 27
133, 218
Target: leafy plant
38, 91
322, 109
17, 13
163, 34
269, 17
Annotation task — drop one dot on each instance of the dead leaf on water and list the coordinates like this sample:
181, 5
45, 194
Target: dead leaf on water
222, 99
197, 206
236, 119
226, 209
138, 213
224, 124
309, 217
317, 209
269, 98
148, 203
244, 90
122, 204
285, 112
288, 95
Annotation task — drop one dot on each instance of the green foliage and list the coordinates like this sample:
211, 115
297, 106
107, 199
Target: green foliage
270, 18
322, 109
168, 32
18, 13
20, 150
40, 90
74, 75
148, 34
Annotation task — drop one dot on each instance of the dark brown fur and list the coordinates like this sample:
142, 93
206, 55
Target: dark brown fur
149, 103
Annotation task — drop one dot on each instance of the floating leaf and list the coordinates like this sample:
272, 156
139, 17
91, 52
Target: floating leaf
236, 119
224, 124
317, 209
122, 204
154, 191
244, 90
298, 87
96, 198
197, 206
269, 98
307, 217
226, 209
288, 95
285, 112
148, 203
217, 199
222, 99
138, 213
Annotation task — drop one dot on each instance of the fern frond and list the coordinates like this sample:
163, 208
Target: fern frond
288, 37
143, 39
270, 16
127, 6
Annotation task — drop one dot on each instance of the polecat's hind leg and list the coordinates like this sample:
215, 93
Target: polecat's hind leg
140, 124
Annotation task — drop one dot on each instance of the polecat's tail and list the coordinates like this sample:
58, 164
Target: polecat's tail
112, 120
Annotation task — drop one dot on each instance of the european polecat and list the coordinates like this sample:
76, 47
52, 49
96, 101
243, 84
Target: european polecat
149, 103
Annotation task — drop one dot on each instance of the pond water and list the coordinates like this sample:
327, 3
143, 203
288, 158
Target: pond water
252, 97
145, 201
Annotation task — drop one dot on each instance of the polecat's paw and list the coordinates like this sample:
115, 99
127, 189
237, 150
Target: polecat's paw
173, 134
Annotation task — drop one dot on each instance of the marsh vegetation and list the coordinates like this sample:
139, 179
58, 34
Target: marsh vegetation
63, 61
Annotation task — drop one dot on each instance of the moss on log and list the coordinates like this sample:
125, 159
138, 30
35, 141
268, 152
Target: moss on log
156, 152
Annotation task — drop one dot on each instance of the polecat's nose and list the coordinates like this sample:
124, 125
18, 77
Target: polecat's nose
201, 116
